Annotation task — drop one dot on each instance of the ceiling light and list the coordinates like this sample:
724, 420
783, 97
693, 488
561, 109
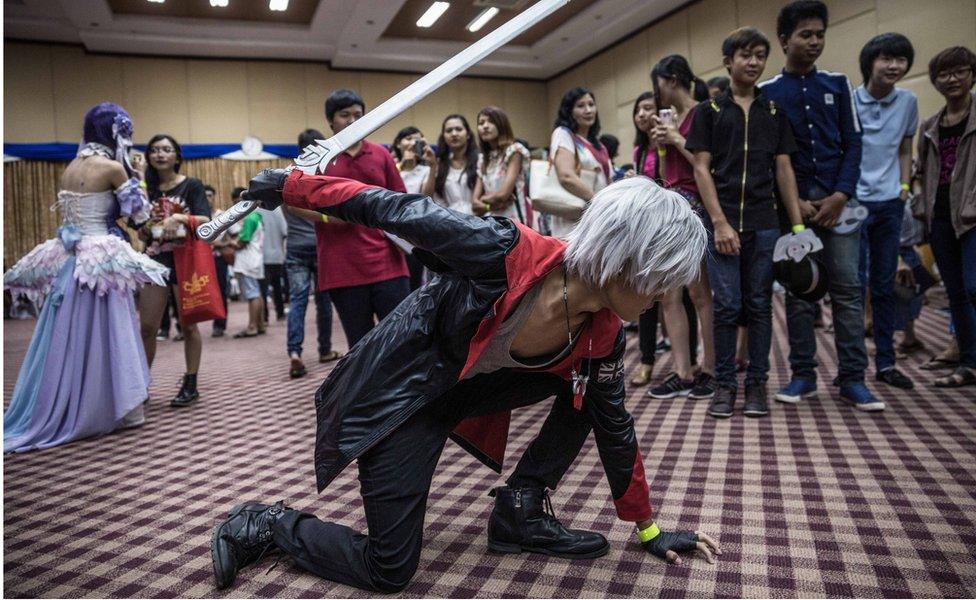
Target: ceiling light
157, 1
479, 21
278, 5
432, 14
218, 3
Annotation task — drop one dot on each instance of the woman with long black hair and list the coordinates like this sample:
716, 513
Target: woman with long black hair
456, 168
678, 92
575, 142
175, 198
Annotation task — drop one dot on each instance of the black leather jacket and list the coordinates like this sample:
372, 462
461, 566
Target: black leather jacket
419, 351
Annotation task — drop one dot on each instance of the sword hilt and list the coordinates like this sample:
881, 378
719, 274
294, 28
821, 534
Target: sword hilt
211, 230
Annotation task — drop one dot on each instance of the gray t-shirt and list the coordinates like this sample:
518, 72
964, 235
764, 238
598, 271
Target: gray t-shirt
498, 354
301, 234
275, 232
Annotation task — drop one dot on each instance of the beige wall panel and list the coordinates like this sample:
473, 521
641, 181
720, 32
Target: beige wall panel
430, 111
631, 66
276, 101
155, 94
670, 36
28, 95
82, 80
218, 101
841, 10
560, 86
525, 102
719, 72
844, 43
598, 74
760, 14
929, 100
945, 23
376, 88
625, 132
708, 24
475, 94
320, 81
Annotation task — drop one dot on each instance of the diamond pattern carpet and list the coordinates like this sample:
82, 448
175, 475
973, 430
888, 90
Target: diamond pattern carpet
817, 500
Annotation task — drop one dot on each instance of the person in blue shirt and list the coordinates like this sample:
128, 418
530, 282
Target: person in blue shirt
820, 108
889, 118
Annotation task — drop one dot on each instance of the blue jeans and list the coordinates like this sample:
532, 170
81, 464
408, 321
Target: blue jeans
743, 284
956, 257
841, 255
302, 274
880, 243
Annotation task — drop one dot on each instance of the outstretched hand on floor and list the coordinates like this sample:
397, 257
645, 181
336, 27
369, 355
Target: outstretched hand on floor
668, 544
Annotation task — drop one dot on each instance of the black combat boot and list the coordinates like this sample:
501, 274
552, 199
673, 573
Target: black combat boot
523, 520
188, 391
243, 539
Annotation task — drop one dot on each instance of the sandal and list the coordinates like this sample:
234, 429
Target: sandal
958, 378
907, 349
331, 356
642, 376
937, 363
245, 334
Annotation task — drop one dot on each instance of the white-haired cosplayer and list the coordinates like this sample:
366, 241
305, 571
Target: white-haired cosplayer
510, 319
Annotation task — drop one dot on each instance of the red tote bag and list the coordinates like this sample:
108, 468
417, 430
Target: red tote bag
196, 278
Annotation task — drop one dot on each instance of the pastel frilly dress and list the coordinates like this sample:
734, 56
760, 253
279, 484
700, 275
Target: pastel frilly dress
85, 371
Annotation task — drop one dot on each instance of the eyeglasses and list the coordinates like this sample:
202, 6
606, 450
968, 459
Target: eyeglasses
960, 74
160, 150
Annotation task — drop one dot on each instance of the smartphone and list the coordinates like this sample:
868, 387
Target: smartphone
418, 150
667, 116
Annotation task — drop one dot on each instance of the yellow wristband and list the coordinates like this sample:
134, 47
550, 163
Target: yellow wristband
325, 218
646, 535
144, 185
799, 228
905, 186
488, 205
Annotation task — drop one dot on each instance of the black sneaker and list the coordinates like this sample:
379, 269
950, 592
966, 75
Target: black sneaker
672, 387
704, 387
895, 378
723, 403
756, 405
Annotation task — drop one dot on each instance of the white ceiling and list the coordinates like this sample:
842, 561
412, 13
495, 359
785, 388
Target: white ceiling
340, 33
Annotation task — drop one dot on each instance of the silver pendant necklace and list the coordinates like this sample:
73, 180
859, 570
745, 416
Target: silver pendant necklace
579, 380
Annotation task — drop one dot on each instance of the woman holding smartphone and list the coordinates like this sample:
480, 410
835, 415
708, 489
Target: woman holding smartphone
678, 93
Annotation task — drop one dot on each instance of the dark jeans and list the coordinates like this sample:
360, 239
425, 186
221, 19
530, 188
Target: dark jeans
880, 243
743, 284
302, 274
647, 334
359, 305
275, 280
841, 256
395, 477
956, 257
223, 281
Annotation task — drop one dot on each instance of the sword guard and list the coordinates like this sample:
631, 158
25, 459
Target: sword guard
314, 158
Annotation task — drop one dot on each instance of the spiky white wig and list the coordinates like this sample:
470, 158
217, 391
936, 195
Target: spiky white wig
641, 231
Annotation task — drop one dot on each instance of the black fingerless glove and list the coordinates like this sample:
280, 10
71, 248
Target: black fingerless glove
679, 541
266, 188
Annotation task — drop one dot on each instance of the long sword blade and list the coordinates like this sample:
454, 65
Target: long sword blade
317, 156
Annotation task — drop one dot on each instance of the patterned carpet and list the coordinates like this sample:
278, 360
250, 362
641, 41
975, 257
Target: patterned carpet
817, 500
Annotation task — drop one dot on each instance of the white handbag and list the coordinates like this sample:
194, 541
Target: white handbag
550, 197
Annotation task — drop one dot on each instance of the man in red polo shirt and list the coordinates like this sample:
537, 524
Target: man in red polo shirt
364, 272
